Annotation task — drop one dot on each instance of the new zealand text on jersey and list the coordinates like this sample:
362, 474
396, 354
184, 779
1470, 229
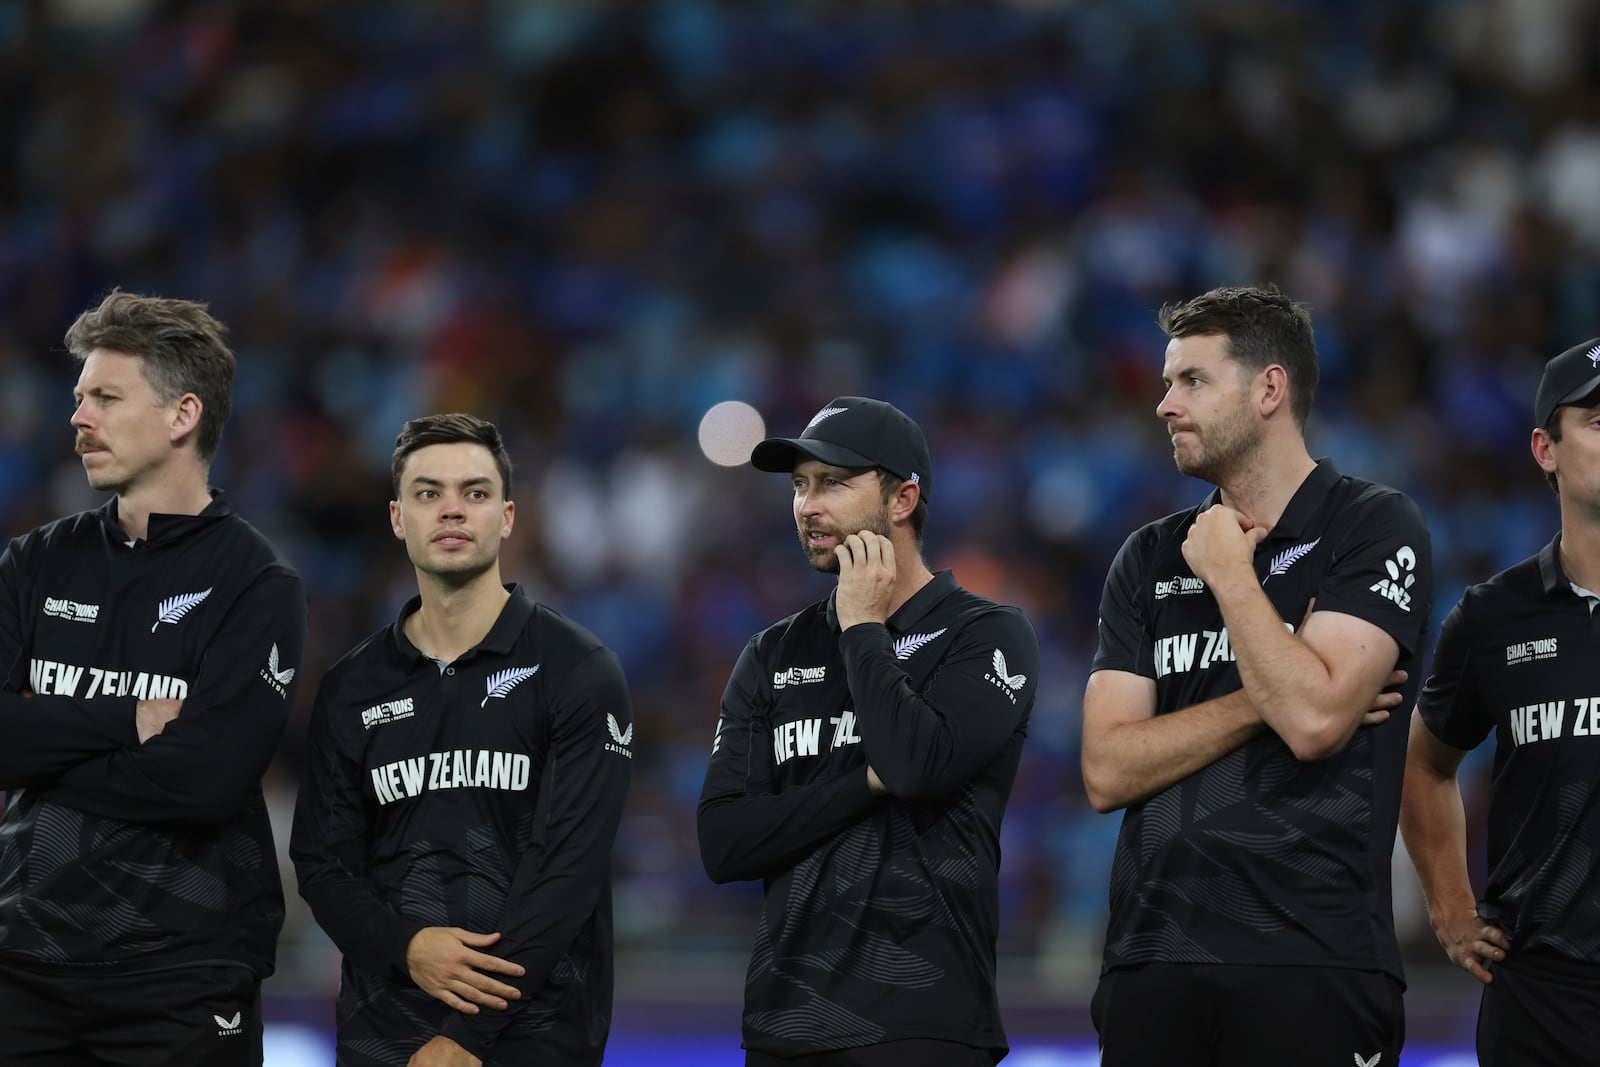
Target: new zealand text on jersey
803, 737
49, 678
1544, 721
461, 768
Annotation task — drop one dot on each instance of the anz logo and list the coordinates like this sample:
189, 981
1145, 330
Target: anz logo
1402, 576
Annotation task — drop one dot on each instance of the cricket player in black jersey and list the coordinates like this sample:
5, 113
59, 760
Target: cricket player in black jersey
1251, 919
150, 649
1517, 657
465, 776
862, 761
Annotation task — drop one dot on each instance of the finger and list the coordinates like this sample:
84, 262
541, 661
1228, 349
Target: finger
888, 553
1257, 534
853, 546
487, 985
475, 940
478, 996
1397, 677
1496, 937
1375, 717
487, 964
456, 1002
1477, 970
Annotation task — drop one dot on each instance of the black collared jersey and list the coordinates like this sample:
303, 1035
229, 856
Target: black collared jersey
1516, 656
1260, 858
880, 916
120, 854
484, 794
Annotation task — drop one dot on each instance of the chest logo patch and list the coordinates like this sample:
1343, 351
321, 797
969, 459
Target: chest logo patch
798, 676
71, 610
1288, 557
905, 646
1528, 651
176, 607
502, 682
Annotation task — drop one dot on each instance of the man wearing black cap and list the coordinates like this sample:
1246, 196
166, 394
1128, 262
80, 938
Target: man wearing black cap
1243, 643
862, 761
1516, 656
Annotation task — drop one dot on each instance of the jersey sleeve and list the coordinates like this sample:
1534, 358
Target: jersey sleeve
925, 744
557, 887
329, 847
1124, 641
746, 829
1383, 571
208, 762
1449, 703
41, 736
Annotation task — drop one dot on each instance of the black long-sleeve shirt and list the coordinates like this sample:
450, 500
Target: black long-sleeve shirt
483, 794
146, 855
881, 912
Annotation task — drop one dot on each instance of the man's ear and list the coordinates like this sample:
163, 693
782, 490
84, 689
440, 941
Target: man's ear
185, 418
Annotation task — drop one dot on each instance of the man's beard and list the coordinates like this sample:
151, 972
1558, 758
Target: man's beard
828, 562
1221, 447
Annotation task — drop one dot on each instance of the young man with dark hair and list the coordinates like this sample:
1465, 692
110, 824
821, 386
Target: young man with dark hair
1243, 645
466, 772
152, 647
1516, 657
861, 766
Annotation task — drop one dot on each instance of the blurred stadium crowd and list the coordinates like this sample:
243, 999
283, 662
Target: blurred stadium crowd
590, 221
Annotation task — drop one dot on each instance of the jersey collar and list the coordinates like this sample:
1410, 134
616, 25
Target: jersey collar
499, 640
163, 527
1551, 576
920, 604
1298, 516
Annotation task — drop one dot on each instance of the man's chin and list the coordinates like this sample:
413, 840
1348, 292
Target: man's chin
824, 562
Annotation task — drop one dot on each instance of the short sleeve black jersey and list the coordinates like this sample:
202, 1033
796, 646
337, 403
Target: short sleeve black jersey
1260, 858
120, 854
1516, 657
880, 916
484, 794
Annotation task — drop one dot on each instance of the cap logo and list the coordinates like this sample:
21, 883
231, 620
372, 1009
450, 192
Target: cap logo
916, 479
825, 413
1594, 355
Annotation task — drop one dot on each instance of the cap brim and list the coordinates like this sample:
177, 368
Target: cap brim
1580, 392
781, 454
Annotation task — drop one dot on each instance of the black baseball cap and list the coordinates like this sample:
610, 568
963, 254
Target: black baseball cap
853, 431
1568, 378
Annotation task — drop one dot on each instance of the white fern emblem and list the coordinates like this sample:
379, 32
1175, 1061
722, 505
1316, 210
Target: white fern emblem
1014, 681
284, 676
176, 607
621, 737
1286, 559
1594, 355
502, 682
903, 647
825, 413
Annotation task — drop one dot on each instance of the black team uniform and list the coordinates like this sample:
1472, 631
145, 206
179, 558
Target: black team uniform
1517, 657
1260, 859
483, 794
881, 912
140, 899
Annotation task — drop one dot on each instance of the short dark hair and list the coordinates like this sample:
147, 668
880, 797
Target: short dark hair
1263, 326
453, 428
888, 482
180, 348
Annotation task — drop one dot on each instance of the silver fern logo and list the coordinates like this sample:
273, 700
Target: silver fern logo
502, 682
905, 646
1287, 558
1594, 355
176, 607
825, 413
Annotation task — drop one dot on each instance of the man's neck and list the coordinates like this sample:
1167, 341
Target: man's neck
910, 573
1580, 549
455, 618
177, 494
1263, 486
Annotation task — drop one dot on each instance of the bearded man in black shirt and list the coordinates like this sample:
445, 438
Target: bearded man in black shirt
1243, 644
862, 761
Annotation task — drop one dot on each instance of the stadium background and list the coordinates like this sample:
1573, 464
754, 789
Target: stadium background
592, 221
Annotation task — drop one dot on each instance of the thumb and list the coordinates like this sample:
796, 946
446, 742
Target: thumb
1257, 534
